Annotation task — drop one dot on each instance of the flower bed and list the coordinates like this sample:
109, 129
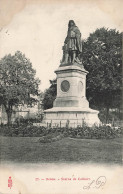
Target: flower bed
85, 132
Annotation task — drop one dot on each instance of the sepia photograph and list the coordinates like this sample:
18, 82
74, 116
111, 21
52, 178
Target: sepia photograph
61, 111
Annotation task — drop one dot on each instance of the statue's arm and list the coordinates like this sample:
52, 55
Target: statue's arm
78, 38
77, 31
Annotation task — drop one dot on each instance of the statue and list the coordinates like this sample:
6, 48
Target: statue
72, 45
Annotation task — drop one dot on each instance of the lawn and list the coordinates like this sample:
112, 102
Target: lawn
28, 149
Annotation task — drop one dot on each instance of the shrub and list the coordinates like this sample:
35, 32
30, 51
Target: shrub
95, 132
50, 138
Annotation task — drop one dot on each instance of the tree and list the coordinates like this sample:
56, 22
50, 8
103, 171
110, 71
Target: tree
50, 95
102, 57
18, 84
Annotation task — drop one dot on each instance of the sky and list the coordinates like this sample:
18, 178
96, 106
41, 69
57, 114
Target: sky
39, 29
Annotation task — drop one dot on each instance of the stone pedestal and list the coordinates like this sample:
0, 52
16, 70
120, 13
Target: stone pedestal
71, 106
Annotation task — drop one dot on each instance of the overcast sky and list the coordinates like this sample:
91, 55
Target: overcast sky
39, 30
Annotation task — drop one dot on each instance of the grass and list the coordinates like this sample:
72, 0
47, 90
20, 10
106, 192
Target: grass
28, 149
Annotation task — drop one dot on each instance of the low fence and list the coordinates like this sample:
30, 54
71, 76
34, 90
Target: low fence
62, 124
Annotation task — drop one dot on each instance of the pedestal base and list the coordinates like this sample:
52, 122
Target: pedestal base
71, 107
72, 116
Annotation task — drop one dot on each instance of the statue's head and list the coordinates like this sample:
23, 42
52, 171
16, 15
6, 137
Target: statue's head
71, 23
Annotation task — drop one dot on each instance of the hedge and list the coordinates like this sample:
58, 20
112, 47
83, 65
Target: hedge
95, 132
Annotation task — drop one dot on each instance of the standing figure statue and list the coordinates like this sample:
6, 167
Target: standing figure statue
72, 45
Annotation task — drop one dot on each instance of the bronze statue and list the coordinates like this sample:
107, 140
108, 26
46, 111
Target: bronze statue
72, 45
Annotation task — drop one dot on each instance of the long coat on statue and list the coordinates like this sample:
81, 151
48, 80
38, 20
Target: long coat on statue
73, 40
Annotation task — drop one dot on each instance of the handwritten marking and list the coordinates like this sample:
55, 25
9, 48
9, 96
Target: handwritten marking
98, 183
101, 181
